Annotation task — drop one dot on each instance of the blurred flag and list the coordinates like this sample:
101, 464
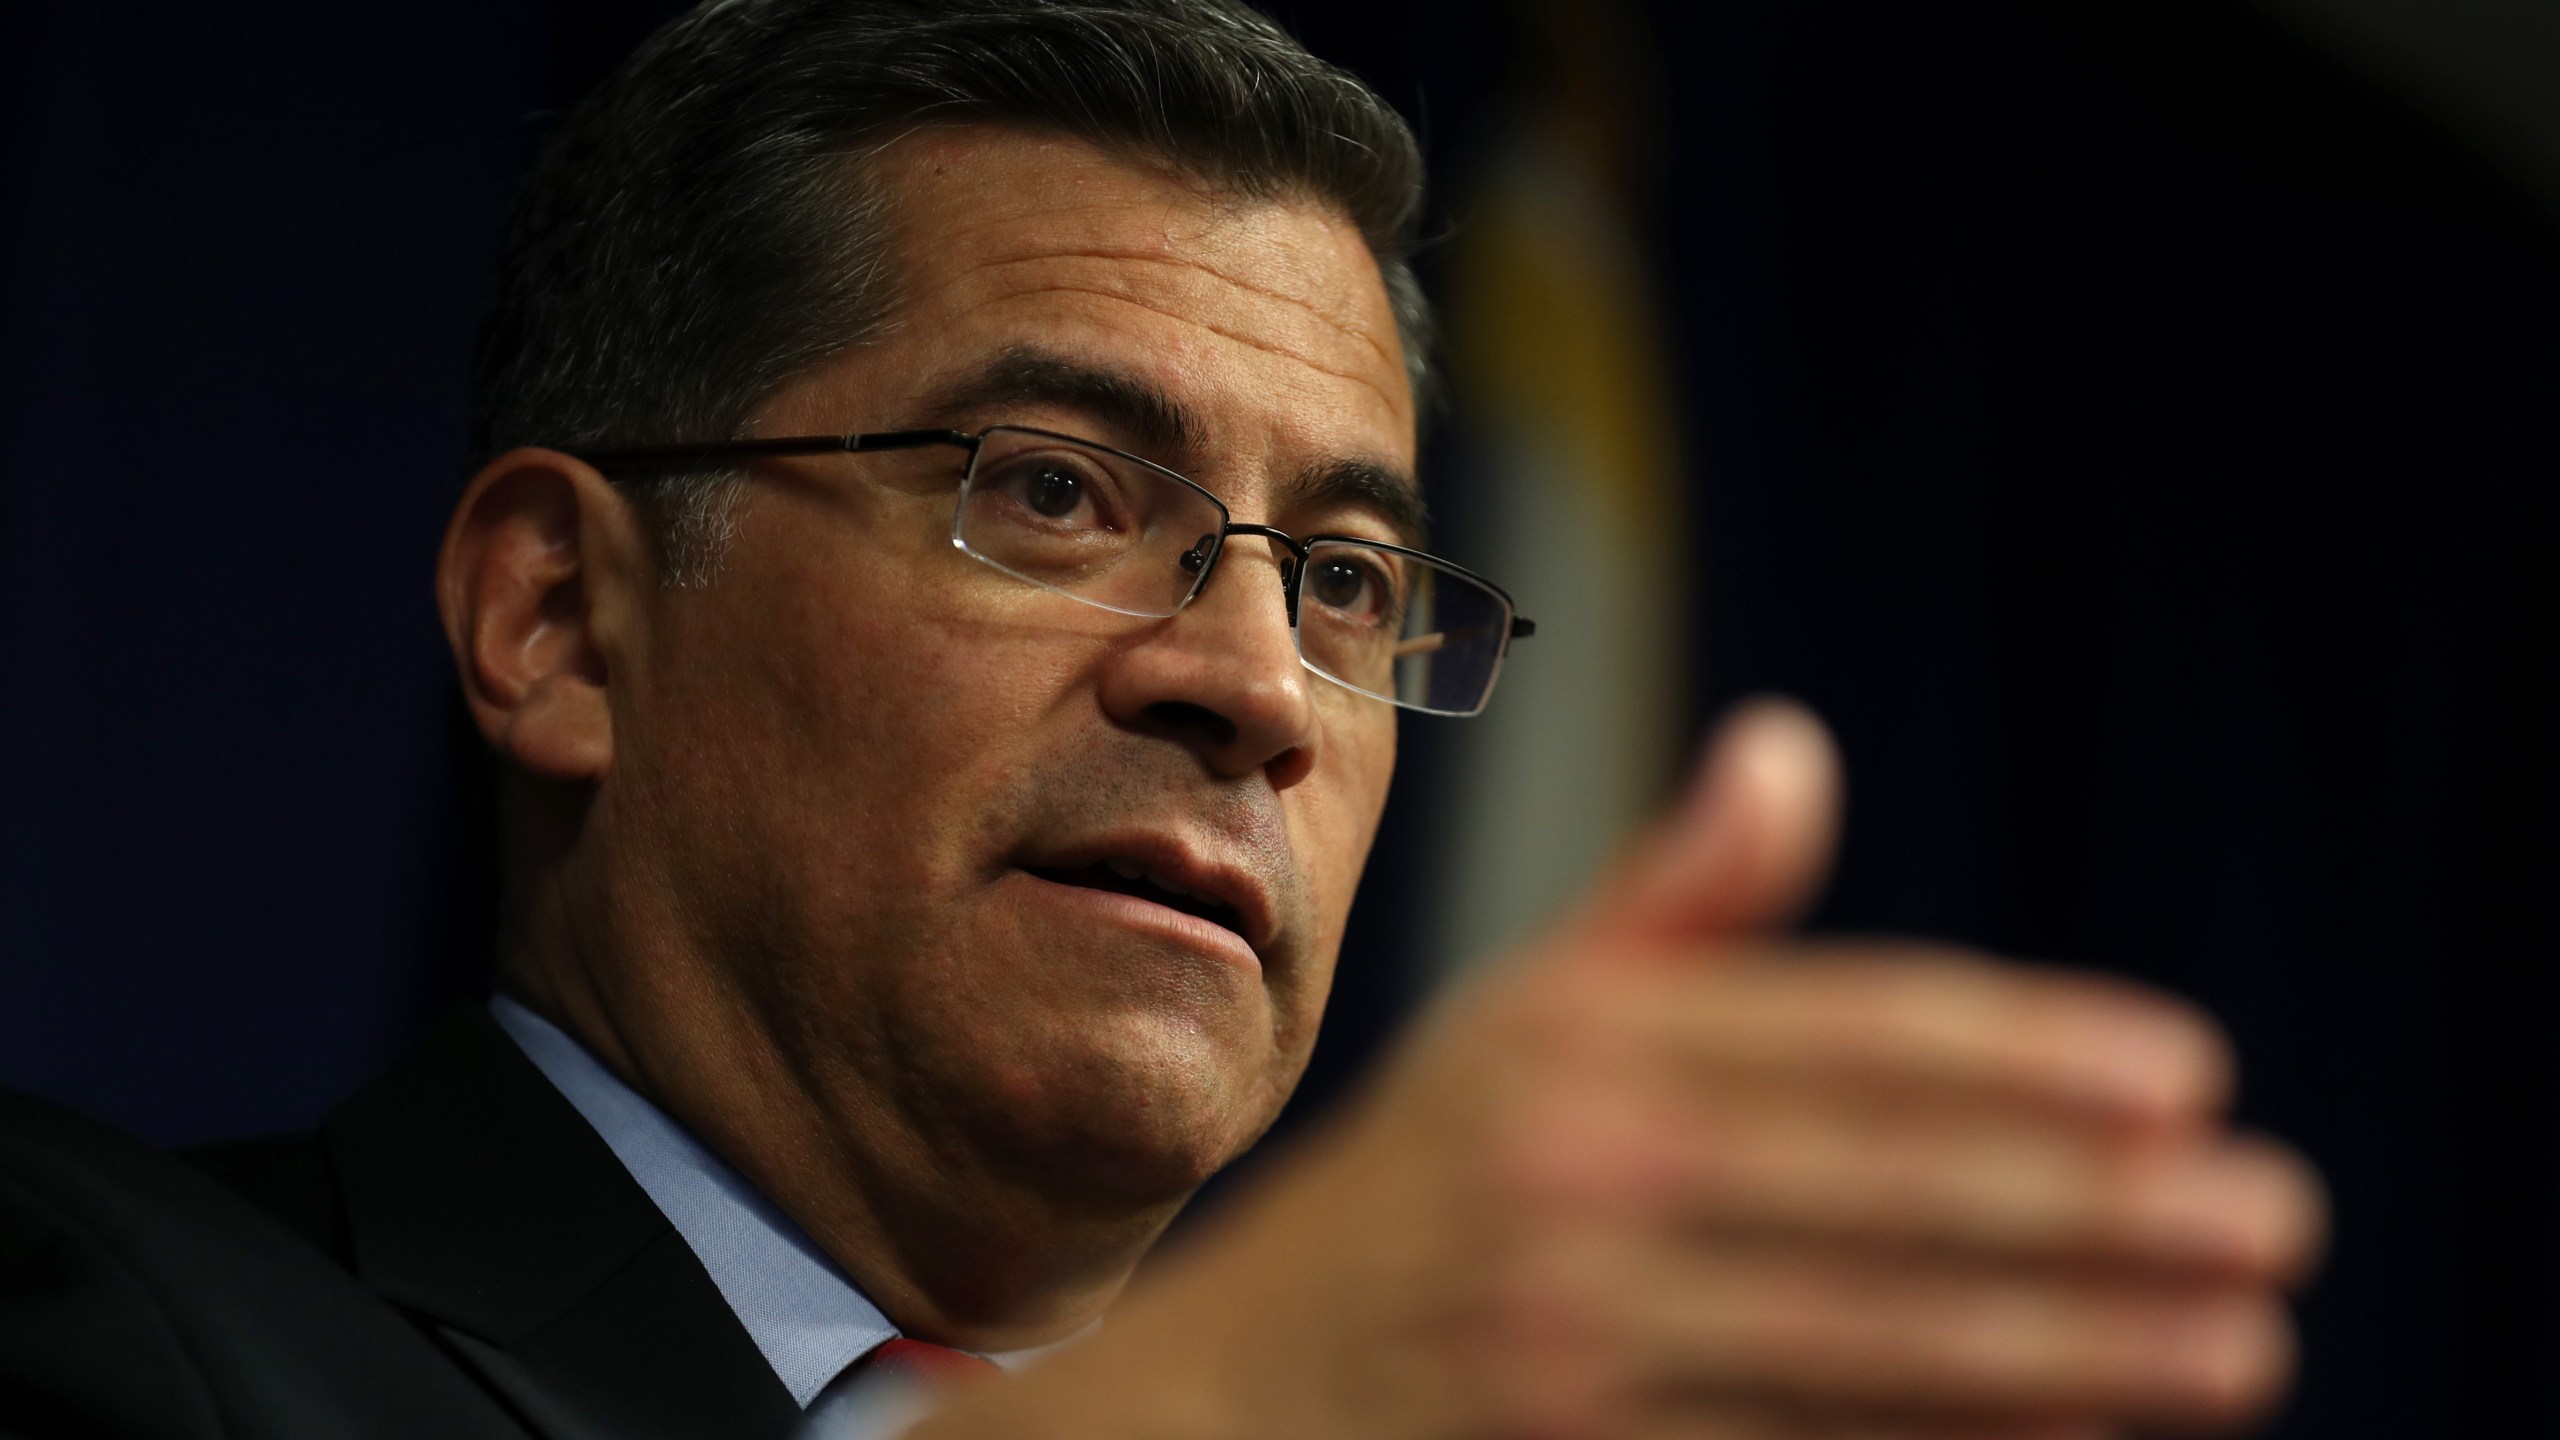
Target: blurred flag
1564, 409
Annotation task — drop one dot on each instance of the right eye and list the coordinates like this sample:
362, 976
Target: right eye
1057, 488
1054, 491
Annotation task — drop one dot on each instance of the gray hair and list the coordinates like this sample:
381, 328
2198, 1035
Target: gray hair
701, 230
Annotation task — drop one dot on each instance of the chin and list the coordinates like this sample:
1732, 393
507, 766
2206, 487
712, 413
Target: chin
1143, 1121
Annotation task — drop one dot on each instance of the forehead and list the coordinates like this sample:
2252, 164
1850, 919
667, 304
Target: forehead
1266, 317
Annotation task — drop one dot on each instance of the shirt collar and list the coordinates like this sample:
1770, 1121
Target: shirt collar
808, 1319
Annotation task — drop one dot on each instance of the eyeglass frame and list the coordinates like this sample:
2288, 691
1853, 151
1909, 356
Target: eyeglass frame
1292, 579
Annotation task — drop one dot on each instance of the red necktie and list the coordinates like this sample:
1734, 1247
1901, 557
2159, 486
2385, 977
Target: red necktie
888, 1387
927, 1364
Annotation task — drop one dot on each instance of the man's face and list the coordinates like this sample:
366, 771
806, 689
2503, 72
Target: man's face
865, 790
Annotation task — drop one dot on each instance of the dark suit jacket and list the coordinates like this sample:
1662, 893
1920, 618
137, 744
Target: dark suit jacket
455, 1253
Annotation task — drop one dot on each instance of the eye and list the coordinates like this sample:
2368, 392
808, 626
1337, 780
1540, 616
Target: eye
1352, 584
1054, 491
1338, 583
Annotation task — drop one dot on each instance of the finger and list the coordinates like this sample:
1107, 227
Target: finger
1915, 1337
1904, 1170
1747, 1421
1747, 845
1923, 1016
1685, 1413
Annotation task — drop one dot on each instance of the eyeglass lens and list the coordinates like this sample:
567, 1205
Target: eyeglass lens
1083, 521
1118, 533
1399, 627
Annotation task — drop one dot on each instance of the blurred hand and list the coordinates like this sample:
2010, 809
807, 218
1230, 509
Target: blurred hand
1666, 1175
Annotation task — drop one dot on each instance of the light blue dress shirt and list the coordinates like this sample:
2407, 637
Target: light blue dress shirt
801, 1311
809, 1321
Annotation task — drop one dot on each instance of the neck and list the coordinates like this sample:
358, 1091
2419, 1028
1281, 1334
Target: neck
951, 1245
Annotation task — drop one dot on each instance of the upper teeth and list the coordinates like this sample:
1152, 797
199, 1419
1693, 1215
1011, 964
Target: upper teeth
1130, 870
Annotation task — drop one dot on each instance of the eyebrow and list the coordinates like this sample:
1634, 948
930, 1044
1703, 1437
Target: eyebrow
1389, 492
1152, 421
1146, 417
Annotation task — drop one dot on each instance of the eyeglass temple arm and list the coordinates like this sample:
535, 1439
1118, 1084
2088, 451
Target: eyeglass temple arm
661, 457
1437, 639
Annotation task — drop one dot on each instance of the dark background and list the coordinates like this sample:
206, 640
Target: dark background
2132, 426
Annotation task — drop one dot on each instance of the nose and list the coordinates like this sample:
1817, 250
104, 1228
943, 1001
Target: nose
1222, 677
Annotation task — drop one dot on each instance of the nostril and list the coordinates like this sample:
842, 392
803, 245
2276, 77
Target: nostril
1180, 719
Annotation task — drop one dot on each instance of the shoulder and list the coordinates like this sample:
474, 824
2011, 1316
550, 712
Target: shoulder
140, 1297
288, 1177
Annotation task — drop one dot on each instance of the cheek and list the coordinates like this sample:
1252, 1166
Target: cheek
914, 667
1367, 743
1335, 816
856, 727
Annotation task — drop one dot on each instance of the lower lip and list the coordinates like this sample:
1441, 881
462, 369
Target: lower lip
1128, 912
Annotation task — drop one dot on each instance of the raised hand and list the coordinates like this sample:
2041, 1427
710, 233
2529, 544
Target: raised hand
1666, 1175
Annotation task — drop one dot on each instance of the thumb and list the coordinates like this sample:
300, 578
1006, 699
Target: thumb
1749, 842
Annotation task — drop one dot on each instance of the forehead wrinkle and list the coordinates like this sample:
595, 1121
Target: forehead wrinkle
1141, 257
1372, 386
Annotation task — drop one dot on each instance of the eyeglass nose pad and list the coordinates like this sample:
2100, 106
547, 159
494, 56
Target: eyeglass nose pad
1288, 570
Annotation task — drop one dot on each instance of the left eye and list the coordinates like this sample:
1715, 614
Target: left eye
1351, 586
1338, 583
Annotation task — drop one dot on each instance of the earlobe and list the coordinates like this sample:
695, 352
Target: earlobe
518, 583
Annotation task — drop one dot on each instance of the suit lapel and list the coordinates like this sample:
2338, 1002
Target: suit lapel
478, 1198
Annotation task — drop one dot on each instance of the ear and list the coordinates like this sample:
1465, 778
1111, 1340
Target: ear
536, 583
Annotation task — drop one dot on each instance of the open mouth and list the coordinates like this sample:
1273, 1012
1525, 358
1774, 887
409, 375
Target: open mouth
1123, 878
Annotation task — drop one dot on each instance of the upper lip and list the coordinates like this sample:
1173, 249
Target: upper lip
1172, 861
